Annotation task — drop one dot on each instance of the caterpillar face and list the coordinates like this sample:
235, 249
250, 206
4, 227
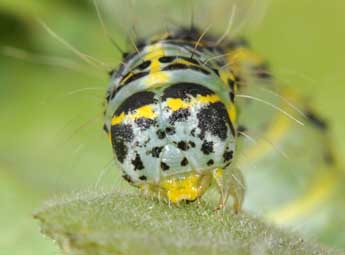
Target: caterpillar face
169, 115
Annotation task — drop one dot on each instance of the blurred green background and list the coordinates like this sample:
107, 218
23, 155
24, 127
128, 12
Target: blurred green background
51, 138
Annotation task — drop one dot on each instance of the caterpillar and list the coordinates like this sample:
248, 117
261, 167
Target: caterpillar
189, 107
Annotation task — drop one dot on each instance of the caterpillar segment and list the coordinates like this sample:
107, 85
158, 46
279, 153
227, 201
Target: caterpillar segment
171, 117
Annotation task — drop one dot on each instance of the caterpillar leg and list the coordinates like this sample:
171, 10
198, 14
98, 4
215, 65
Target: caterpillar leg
230, 182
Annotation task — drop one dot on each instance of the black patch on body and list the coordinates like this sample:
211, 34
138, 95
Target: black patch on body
127, 178
214, 118
179, 116
164, 166
135, 77
210, 162
105, 128
182, 145
228, 155
178, 66
192, 144
232, 96
135, 101
143, 178
316, 121
185, 90
144, 65
231, 84
170, 130
167, 59
184, 162
138, 163
120, 135
156, 151
207, 147
160, 134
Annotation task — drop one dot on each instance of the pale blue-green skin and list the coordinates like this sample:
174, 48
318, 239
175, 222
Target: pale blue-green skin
170, 155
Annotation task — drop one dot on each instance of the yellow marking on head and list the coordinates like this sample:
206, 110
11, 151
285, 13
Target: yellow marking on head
141, 112
184, 188
318, 193
177, 103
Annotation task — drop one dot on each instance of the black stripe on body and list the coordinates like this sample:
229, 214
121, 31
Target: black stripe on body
135, 101
178, 66
185, 90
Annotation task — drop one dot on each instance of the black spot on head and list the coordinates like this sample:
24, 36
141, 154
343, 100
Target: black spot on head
143, 178
179, 116
184, 162
210, 162
135, 101
164, 166
167, 59
192, 144
144, 123
156, 151
228, 155
160, 134
192, 132
182, 145
316, 121
207, 147
170, 130
144, 65
214, 118
137, 163
127, 178
185, 91
120, 135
